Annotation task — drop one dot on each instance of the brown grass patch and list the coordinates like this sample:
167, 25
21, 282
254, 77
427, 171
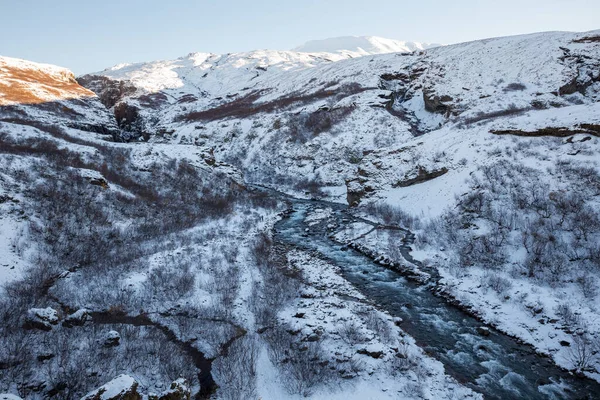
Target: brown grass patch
245, 106
32, 86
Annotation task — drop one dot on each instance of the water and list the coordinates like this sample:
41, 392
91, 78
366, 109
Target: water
496, 366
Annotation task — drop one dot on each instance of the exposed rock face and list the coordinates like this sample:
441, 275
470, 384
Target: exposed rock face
422, 176
128, 118
435, 103
354, 192
41, 318
123, 387
109, 91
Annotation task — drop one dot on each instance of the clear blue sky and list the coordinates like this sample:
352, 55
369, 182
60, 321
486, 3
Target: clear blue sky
90, 35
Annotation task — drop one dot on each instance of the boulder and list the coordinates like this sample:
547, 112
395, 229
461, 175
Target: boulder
78, 318
373, 351
179, 390
123, 387
483, 331
41, 318
112, 339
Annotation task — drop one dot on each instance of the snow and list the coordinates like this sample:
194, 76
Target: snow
118, 386
361, 46
11, 265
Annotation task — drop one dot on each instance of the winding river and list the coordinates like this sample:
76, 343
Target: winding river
497, 366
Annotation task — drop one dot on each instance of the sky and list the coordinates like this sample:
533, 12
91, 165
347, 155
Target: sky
88, 36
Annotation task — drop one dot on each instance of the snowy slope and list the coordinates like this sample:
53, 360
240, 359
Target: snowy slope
361, 46
24, 81
256, 101
33, 92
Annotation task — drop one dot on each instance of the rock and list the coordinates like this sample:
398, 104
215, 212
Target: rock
41, 318
397, 321
112, 339
99, 182
354, 192
45, 356
313, 337
483, 331
422, 175
123, 387
179, 390
564, 343
435, 103
78, 318
371, 351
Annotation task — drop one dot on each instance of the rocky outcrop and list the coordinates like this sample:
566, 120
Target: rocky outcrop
129, 119
422, 176
109, 91
435, 103
588, 129
357, 189
123, 387
41, 318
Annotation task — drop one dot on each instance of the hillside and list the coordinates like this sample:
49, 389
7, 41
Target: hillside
36, 93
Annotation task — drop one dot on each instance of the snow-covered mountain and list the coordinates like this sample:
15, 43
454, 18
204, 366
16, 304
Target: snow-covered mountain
361, 46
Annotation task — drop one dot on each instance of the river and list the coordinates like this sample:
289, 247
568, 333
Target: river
497, 365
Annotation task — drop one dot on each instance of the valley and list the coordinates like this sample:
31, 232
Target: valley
383, 220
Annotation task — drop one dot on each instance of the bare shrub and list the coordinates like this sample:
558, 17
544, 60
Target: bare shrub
305, 370
584, 354
351, 333
404, 360
237, 371
498, 284
304, 126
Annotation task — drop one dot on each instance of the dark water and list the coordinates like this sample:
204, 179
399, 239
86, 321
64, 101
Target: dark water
496, 366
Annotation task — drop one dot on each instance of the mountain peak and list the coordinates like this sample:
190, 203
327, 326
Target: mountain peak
361, 45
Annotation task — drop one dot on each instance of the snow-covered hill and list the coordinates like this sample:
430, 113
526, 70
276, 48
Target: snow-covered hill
42, 93
361, 46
